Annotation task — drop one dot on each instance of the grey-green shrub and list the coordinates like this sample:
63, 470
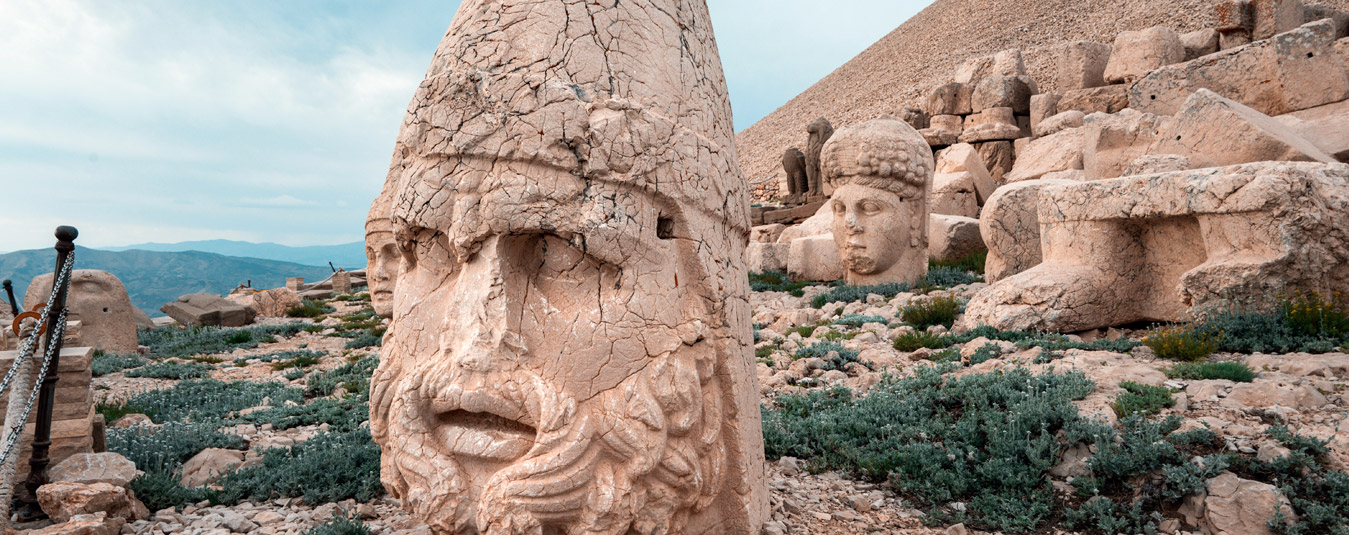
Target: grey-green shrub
167, 342
206, 400
106, 363
171, 370
330, 467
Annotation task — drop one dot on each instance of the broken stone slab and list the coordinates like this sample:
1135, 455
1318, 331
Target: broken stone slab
954, 194
1272, 17
963, 157
950, 99
208, 309
991, 124
1060, 151
1189, 240
1295, 70
998, 158
1110, 142
1003, 92
1149, 164
1010, 228
943, 130
1042, 106
64, 500
1235, 505
1136, 53
1003, 63
953, 237
87, 468
1059, 122
814, 258
1199, 43
1215, 131
1104, 99
767, 257
1326, 126
91, 524
1081, 65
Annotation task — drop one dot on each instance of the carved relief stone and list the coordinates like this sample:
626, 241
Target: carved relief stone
570, 343
881, 171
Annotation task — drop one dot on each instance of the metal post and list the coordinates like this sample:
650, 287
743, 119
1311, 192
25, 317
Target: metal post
330, 266
39, 459
9, 289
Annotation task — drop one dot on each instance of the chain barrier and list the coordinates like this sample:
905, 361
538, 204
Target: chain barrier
26, 352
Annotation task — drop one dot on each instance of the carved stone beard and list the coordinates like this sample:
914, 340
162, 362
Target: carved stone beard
857, 261
635, 458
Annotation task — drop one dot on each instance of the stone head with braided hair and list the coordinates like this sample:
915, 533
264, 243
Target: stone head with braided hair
570, 344
880, 171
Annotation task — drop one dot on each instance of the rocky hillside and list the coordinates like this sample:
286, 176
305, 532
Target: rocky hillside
154, 278
926, 50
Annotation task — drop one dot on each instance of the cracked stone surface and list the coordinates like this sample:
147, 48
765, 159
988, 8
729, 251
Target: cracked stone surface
569, 348
1185, 239
881, 173
383, 257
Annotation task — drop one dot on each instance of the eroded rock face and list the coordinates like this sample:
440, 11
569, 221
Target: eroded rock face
1187, 239
98, 300
881, 171
570, 344
1010, 228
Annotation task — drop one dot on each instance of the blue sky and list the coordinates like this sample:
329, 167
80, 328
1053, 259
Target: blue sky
270, 120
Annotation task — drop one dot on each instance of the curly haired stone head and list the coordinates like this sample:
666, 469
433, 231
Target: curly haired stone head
884, 153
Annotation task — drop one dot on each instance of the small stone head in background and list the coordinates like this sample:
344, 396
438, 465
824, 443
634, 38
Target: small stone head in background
880, 171
382, 254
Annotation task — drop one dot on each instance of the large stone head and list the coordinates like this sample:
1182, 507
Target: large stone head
383, 256
99, 301
880, 172
569, 348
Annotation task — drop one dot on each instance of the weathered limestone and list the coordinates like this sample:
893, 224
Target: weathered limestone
208, 465
950, 99
766, 233
794, 166
1105, 99
916, 118
72, 430
953, 237
97, 300
1292, 71
1137, 53
1186, 239
964, 158
1149, 164
1199, 43
274, 303
953, 194
105, 467
1327, 127
814, 258
943, 130
1081, 65
998, 157
61, 501
1270, 17
1010, 228
1057, 152
1043, 106
1235, 505
990, 124
1004, 63
208, 309
1111, 142
767, 257
819, 132
1060, 122
881, 172
1214, 131
1003, 92
570, 344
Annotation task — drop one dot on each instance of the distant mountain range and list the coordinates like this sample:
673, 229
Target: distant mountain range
347, 255
154, 278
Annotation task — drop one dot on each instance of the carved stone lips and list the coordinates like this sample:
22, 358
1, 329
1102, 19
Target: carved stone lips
484, 425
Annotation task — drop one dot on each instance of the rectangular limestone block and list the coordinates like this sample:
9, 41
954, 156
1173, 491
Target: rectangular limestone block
73, 359
1308, 67
1271, 17
1081, 65
1247, 74
767, 257
1104, 99
814, 258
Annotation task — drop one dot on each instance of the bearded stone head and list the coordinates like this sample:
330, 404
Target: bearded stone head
570, 345
880, 172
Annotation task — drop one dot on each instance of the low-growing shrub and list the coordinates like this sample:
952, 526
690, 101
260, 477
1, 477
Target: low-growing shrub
1184, 342
776, 282
821, 350
112, 410
293, 374
946, 277
354, 377
1251, 328
849, 294
330, 467
300, 361
166, 342
1141, 399
309, 309
371, 338
923, 313
208, 399
363, 296
341, 415
106, 363
171, 370
1232, 371
914, 340
159, 452
1047, 341
985, 440
1311, 314
340, 525
856, 320
972, 262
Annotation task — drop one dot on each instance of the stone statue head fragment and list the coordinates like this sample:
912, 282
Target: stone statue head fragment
880, 172
569, 347
383, 257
